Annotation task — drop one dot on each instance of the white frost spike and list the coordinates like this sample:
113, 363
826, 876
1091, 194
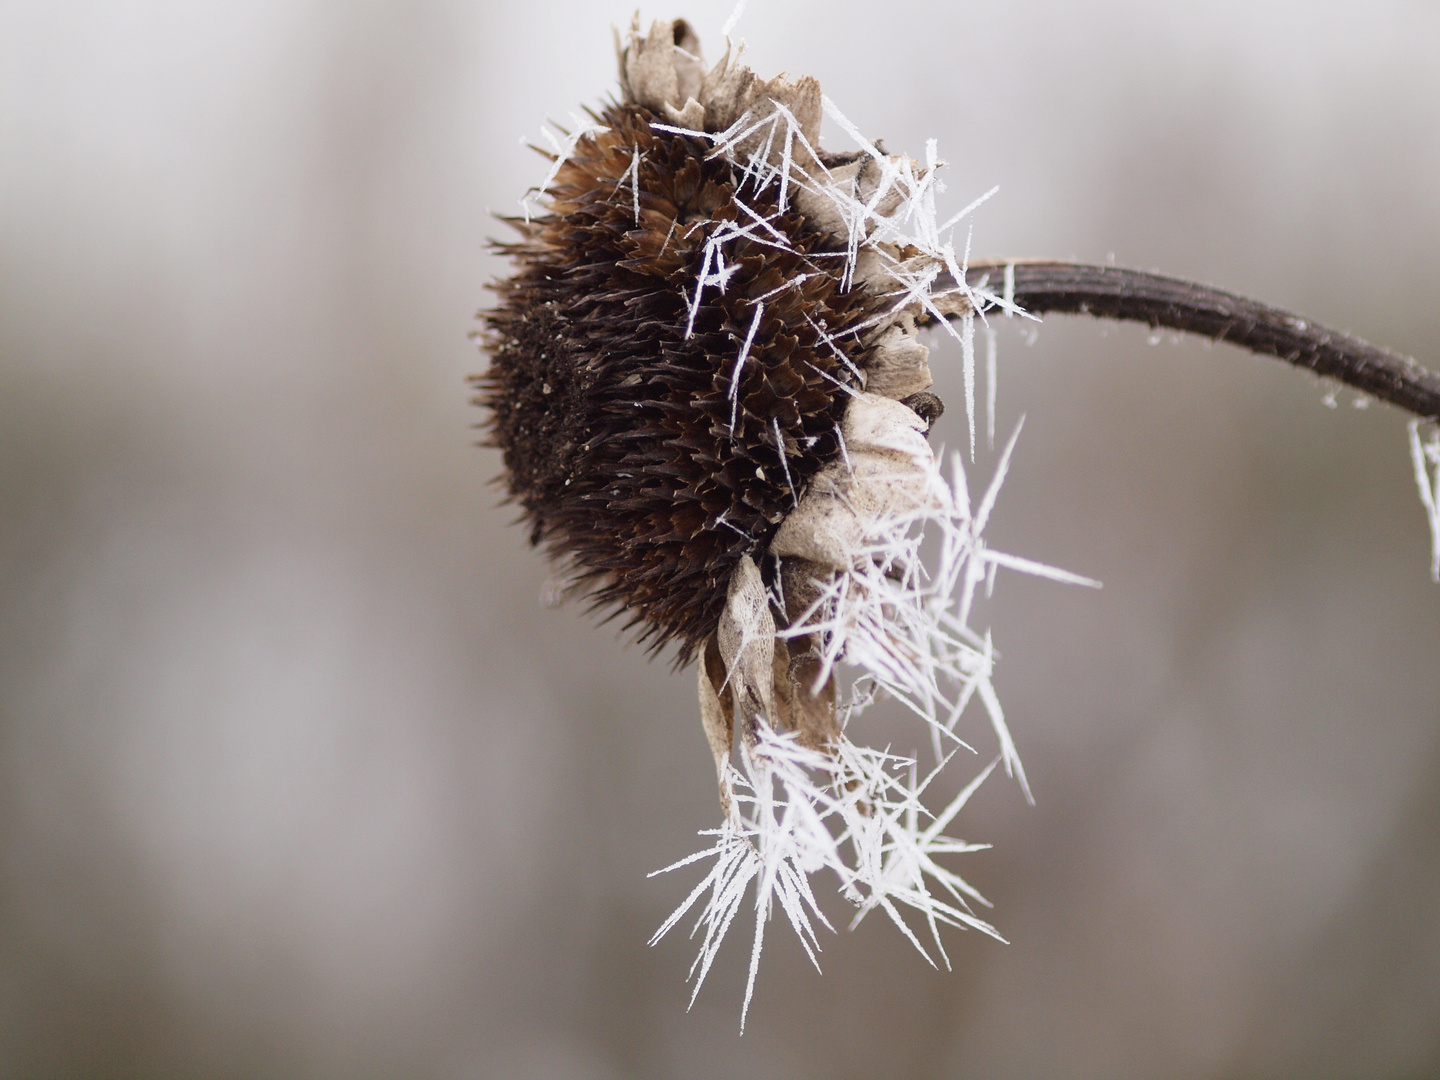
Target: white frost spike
740, 364
735, 13
975, 205
967, 346
1426, 457
583, 129
906, 857
634, 174
991, 376
854, 811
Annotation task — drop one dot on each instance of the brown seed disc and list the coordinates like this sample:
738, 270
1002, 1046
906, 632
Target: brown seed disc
615, 426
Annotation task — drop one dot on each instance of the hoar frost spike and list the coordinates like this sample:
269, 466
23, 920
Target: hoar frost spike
712, 400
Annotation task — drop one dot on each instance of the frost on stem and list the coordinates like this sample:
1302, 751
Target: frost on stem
1426, 457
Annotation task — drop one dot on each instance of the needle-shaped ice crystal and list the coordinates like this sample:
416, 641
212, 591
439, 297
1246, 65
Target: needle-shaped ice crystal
1426, 457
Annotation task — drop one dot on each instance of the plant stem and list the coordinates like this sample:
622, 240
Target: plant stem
1042, 285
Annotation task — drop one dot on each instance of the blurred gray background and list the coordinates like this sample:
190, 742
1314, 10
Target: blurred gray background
297, 776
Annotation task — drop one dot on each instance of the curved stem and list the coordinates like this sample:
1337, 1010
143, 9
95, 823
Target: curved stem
1108, 292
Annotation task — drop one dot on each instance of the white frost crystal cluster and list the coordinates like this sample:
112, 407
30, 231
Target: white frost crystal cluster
877, 565
897, 625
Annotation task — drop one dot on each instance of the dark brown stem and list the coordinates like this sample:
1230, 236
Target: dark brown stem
1108, 292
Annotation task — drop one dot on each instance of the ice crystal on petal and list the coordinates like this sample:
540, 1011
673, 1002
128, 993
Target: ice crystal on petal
898, 622
904, 625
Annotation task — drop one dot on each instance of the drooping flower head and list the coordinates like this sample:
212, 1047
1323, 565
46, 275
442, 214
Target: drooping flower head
674, 357
712, 401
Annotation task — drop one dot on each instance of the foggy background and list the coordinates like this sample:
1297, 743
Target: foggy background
299, 778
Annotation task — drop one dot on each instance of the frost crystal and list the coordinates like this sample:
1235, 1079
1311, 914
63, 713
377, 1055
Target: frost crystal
855, 811
898, 624
905, 625
1426, 457
561, 153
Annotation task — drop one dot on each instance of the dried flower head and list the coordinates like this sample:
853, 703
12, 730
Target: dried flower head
671, 368
711, 396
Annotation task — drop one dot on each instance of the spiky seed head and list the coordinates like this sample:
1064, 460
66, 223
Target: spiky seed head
654, 437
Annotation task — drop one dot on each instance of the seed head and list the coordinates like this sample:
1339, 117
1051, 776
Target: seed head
713, 408
667, 375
